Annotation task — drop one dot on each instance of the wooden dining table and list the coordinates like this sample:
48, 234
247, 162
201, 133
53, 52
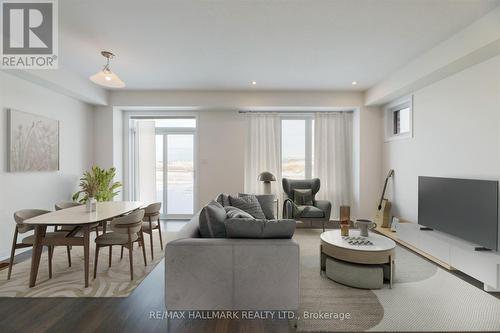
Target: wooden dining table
81, 219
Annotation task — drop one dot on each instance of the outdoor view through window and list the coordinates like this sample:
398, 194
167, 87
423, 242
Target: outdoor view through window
297, 148
175, 164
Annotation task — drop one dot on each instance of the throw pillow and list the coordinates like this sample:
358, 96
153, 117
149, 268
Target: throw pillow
249, 204
211, 221
233, 212
223, 199
303, 197
266, 203
251, 228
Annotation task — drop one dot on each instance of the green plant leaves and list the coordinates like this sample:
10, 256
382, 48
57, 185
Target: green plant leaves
97, 183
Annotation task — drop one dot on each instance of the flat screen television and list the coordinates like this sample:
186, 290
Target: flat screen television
465, 208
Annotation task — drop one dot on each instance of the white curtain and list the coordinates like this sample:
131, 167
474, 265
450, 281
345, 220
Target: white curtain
146, 161
263, 151
333, 157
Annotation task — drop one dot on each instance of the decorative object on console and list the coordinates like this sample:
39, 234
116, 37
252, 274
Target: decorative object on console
394, 223
266, 177
363, 226
33, 142
383, 215
345, 220
106, 77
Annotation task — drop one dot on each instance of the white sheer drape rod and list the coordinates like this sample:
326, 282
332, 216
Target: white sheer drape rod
294, 112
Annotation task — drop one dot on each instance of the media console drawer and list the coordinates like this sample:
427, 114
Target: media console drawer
455, 252
482, 266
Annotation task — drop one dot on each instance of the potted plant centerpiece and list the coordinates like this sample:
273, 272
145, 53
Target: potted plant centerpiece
97, 185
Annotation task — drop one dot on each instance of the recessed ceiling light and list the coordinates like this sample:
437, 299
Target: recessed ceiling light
254, 83
354, 83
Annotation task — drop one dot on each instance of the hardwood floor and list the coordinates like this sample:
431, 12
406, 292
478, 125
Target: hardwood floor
130, 314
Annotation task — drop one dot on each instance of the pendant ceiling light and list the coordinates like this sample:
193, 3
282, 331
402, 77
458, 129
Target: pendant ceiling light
106, 77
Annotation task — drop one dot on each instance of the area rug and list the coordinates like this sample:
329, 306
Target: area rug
424, 297
67, 281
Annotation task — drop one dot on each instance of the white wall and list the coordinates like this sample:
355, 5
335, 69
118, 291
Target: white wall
221, 154
456, 134
472, 45
222, 133
42, 189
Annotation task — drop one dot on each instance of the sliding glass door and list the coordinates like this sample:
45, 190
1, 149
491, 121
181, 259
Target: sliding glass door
175, 173
173, 156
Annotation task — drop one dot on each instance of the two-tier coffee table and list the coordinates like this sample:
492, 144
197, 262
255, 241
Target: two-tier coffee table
357, 265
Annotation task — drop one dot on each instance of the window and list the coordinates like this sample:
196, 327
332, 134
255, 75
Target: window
398, 119
167, 159
401, 121
297, 147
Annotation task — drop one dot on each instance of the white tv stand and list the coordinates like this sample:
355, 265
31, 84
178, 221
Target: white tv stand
449, 252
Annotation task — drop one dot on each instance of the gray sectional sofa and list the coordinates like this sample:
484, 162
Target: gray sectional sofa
230, 273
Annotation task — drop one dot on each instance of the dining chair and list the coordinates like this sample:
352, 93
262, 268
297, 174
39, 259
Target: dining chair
68, 228
126, 230
21, 228
151, 221
69, 204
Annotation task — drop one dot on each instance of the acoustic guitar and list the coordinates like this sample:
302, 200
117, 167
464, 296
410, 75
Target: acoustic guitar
383, 216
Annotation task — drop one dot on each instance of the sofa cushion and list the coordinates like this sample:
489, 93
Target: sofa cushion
258, 228
223, 199
211, 221
303, 197
190, 229
249, 204
309, 211
233, 212
266, 203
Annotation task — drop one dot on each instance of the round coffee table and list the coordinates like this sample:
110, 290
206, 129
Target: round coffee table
381, 251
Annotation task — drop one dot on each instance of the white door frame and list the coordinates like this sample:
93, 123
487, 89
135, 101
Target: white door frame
129, 150
165, 132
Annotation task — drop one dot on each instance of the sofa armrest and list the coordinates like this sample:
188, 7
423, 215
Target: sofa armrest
232, 274
288, 209
325, 206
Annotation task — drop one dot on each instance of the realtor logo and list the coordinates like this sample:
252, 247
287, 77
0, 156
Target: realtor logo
29, 34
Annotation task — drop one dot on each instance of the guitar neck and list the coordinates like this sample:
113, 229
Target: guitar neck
389, 175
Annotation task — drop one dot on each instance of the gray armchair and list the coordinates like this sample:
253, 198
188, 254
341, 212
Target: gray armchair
320, 210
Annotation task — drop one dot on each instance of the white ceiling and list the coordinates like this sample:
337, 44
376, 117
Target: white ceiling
306, 45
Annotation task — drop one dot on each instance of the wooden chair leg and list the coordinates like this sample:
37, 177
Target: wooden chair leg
95, 262
130, 255
151, 237
12, 252
51, 252
121, 254
159, 230
68, 251
110, 254
141, 234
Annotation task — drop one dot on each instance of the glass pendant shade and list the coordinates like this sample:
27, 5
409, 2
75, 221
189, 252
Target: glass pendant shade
107, 78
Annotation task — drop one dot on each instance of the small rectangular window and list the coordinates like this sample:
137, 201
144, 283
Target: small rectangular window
399, 119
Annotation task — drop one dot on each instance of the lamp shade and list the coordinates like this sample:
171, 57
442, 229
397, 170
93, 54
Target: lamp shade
266, 177
107, 78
